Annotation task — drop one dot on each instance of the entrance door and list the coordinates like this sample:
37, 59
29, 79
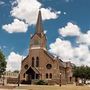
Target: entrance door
29, 77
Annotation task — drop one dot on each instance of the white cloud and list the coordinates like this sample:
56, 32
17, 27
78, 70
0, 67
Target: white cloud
62, 48
47, 14
82, 54
45, 31
14, 61
78, 55
70, 30
16, 26
84, 38
81, 51
1, 2
27, 11
64, 13
30, 9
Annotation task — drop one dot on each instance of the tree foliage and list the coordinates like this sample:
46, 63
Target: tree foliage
16, 71
2, 63
82, 72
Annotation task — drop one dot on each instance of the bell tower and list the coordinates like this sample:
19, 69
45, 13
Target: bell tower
38, 40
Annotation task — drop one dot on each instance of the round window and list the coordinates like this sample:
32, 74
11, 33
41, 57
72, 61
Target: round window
48, 66
26, 66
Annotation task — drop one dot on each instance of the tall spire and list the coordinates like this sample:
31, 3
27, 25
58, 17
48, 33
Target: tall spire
39, 28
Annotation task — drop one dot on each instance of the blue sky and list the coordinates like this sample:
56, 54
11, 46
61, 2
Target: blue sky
66, 22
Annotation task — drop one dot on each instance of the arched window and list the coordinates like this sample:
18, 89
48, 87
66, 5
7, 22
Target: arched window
50, 75
32, 61
37, 61
46, 75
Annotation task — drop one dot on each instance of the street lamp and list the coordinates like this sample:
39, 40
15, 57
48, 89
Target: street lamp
60, 80
18, 80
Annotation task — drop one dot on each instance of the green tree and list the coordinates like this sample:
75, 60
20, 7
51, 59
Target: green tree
2, 63
87, 72
16, 71
82, 72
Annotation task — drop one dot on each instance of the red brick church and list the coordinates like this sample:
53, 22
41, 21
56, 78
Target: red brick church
40, 64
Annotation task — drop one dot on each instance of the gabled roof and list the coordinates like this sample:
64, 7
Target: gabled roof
61, 63
49, 54
25, 58
34, 69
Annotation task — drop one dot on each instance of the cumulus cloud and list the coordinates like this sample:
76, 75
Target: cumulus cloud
84, 38
63, 49
70, 30
14, 61
30, 9
73, 30
47, 14
81, 51
79, 54
27, 11
82, 55
16, 26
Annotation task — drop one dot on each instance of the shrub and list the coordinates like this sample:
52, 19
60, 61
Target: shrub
41, 82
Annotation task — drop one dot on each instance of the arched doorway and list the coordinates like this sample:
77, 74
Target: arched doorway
32, 74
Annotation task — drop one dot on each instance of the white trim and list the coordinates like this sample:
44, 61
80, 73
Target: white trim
38, 48
35, 47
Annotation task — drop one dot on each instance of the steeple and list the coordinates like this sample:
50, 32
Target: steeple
38, 40
39, 28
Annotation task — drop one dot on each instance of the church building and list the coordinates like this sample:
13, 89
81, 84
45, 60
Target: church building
42, 65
